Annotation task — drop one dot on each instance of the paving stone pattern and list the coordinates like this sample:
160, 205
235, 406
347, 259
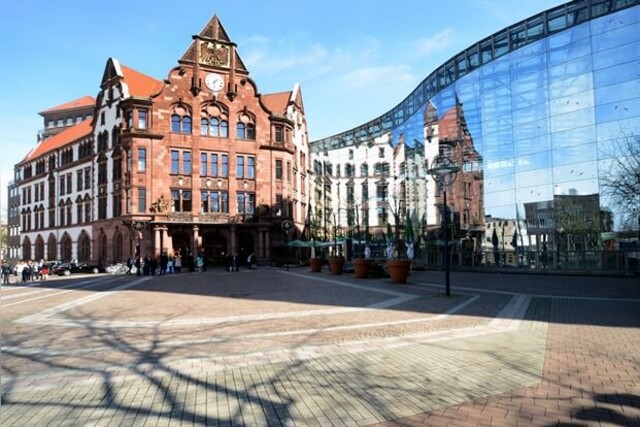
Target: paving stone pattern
378, 355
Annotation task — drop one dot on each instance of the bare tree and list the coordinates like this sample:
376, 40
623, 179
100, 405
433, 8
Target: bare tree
621, 181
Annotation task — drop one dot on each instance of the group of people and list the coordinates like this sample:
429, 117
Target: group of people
25, 271
150, 265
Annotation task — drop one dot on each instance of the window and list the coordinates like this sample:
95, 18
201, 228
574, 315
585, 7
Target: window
60, 123
142, 200
381, 152
364, 170
186, 162
246, 203
365, 191
225, 165
79, 179
278, 204
240, 167
87, 178
204, 169
279, 133
102, 173
214, 202
117, 205
383, 216
214, 165
142, 119
181, 200
51, 123
246, 131
350, 154
142, 159
63, 187
102, 207
278, 169
251, 167
382, 192
175, 161
180, 124
214, 122
288, 171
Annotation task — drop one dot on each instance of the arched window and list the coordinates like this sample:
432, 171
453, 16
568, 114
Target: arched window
186, 124
102, 253
39, 248
246, 128
240, 131
65, 247
52, 248
26, 249
214, 121
181, 119
175, 123
117, 247
84, 247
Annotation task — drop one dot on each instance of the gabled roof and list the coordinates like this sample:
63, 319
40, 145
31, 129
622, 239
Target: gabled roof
85, 101
140, 84
137, 83
277, 102
214, 32
61, 139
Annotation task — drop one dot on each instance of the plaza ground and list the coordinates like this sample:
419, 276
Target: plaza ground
270, 347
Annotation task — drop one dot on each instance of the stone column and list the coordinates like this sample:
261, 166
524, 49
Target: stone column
157, 241
195, 244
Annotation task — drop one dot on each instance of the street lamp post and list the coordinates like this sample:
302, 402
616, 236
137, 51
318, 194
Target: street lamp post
444, 171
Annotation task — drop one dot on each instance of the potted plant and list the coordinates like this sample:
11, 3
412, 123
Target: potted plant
362, 264
361, 267
399, 262
336, 264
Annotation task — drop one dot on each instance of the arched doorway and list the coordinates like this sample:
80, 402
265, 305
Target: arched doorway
65, 247
215, 247
39, 249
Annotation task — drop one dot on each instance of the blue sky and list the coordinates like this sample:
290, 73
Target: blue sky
354, 59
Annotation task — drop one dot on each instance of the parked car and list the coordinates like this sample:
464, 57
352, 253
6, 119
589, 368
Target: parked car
67, 268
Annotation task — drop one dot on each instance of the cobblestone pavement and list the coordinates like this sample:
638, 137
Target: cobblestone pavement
269, 347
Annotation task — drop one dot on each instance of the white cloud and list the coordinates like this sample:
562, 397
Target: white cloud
440, 41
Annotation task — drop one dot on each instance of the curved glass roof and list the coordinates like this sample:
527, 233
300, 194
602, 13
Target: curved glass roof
483, 52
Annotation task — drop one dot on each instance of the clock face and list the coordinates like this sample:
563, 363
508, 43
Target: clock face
214, 82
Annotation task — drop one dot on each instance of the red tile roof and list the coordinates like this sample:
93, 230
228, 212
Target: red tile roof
61, 139
277, 102
140, 84
85, 101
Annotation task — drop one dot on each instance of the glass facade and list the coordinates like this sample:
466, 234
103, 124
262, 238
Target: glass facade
542, 119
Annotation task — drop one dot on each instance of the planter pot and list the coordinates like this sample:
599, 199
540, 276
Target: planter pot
316, 264
361, 267
336, 263
398, 270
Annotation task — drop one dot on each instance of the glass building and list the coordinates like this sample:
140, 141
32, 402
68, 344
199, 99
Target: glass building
543, 121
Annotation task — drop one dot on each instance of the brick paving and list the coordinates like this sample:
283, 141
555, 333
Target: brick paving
268, 347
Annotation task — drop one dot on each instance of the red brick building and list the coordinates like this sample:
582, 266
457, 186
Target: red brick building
198, 162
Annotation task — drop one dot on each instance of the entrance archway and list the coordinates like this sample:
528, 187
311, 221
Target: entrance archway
245, 244
181, 242
215, 247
